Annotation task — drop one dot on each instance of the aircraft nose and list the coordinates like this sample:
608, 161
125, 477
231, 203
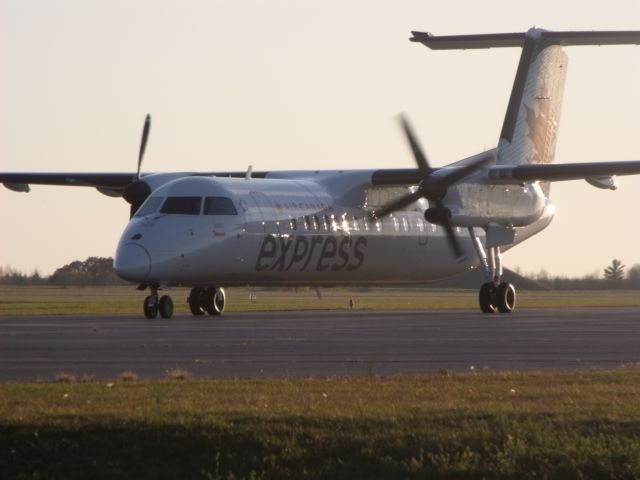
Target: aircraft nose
132, 262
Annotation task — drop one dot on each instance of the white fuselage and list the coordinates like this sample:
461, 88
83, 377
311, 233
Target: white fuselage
312, 229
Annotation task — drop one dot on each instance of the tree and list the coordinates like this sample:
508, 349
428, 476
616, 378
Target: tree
93, 271
634, 272
615, 271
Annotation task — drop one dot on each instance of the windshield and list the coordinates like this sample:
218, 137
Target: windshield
219, 206
149, 207
182, 205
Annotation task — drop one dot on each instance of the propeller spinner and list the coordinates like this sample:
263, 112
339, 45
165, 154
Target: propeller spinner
433, 187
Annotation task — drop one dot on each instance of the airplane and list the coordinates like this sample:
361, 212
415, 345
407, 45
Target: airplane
211, 230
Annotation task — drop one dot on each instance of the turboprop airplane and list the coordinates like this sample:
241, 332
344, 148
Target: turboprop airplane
210, 230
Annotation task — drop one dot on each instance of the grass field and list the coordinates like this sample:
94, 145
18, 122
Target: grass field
28, 300
458, 426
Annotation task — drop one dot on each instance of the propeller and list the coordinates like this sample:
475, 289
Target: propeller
433, 187
138, 190
143, 143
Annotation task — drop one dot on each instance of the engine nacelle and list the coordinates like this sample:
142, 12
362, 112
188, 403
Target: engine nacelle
437, 216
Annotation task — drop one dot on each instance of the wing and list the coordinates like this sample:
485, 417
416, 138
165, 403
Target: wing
20, 182
112, 184
505, 174
593, 172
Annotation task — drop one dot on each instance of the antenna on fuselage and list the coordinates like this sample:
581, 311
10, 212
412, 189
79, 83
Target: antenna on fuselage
247, 176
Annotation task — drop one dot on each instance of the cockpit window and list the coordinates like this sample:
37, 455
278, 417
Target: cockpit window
182, 205
149, 207
219, 206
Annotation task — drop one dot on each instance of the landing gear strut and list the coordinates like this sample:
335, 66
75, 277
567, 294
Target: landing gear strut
495, 295
207, 300
155, 304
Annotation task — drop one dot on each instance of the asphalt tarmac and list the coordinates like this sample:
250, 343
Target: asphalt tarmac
313, 343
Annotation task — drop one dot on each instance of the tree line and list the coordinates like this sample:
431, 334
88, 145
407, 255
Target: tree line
92, 271
614, 276
99, 271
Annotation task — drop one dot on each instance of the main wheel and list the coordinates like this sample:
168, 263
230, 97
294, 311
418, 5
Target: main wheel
487, 298
506, 297
150, 306
165, 306
196, 301
214, 300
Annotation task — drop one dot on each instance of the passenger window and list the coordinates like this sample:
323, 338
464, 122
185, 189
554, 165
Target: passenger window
405, 224
325, 221
334, 223
305, 220
365, 222
292, 223
396, 225
345, 222
182, 205
219, 206
420, 225
378, 225
356, 226
149, 207
316, 222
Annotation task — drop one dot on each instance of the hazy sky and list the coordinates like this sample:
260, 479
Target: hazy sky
289, 85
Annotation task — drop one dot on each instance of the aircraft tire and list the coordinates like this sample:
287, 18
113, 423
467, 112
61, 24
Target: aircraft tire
214, 300
487, 298
150, 307
506, 298
165, 306
196, 301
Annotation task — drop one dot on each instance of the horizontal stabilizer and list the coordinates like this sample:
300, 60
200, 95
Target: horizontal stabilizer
507, 174
496, 40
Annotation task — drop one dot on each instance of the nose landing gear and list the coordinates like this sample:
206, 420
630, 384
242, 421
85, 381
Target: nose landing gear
154, 305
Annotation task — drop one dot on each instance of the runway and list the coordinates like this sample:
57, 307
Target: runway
318, 343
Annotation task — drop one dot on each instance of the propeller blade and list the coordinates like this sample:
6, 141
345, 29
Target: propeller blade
143, 143
418, 153
462, 172
456, 249
397, 204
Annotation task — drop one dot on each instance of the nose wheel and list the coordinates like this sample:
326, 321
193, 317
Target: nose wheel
155, 305
150, 306
207, 300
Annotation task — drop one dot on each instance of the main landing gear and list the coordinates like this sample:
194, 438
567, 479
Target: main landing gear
495, 295
207, 300
201, 301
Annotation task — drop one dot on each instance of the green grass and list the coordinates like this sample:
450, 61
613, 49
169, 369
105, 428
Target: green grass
28, 300
489, 425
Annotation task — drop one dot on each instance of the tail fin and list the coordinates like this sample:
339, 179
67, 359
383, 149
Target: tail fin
530, 127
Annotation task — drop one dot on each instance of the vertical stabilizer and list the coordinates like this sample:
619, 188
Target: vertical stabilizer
530, 128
